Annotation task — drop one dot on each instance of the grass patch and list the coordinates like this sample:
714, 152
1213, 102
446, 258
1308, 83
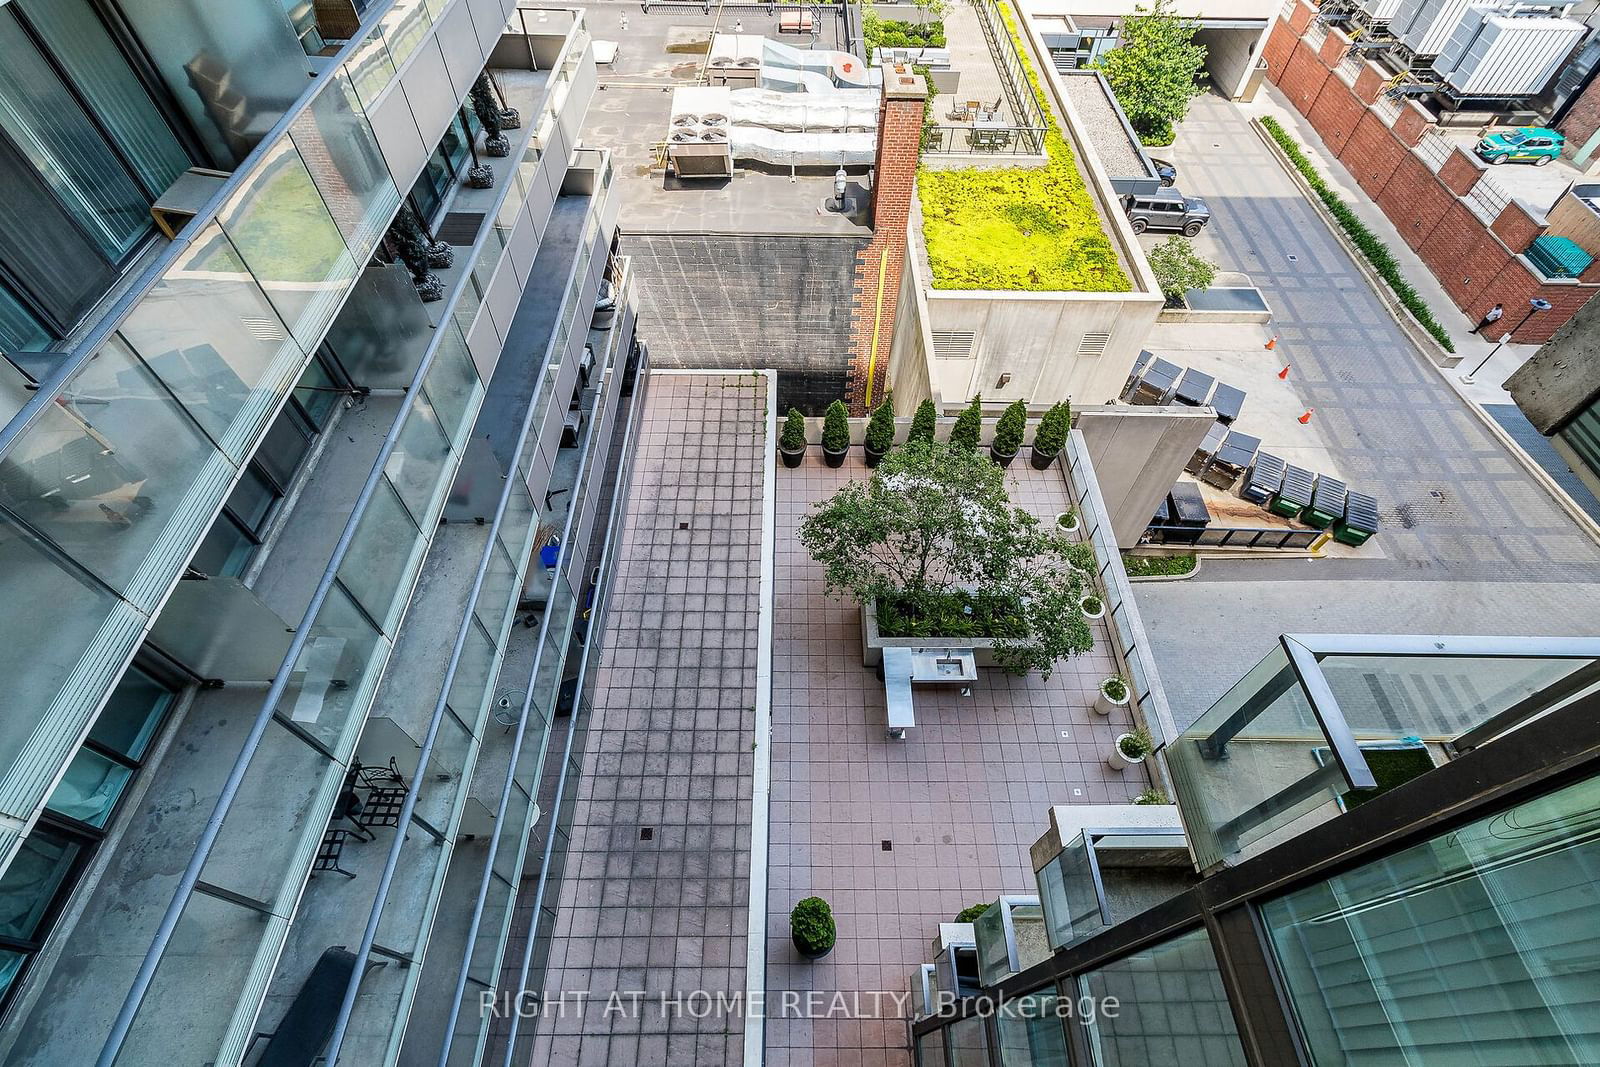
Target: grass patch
1376, 252
1390, 767
1152, 566
1031, 229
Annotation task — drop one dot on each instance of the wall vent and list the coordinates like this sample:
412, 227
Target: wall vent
1094, 344
953, 344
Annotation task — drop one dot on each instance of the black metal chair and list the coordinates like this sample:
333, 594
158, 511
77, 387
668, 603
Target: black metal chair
331, 851
303, 1032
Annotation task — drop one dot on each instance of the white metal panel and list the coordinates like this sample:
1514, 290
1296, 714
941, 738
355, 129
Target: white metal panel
484, 342
1407, 14
458, 41
427, 85
398, 137
488, 20
503, 295
1514, 56
578, 96
523, 246
1462, 37
1380, 10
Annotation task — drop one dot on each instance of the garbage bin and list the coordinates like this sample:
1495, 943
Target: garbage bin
1295, 495
1360, 520
1237, 451
1264, 478
1190, 516
1208, 448
1327, 503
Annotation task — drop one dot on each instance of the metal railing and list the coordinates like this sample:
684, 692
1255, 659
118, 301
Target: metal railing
1239, 536
983, 140
1433, 148
1009, 64
1487, 199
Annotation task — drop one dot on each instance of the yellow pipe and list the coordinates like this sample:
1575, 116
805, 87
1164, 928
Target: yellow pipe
877, 320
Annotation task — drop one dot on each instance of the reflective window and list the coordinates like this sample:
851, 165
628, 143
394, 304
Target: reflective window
1478, 946
89, 790
1164, 1004
29, 885
341, 152
20, 329
969, 1045
1031, 1030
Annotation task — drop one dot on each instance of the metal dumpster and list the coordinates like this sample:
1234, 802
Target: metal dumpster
1207, 448
1189, 514
1360, 520
1295, 494
1229, 401
1238, 451
1194, 388
1155, 384
1327, 503
1264, 478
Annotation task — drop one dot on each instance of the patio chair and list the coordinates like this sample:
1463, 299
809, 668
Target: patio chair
959, 113
305, 1028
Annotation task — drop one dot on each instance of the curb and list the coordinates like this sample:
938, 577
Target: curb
1397, 311
1169, 577
1427, 346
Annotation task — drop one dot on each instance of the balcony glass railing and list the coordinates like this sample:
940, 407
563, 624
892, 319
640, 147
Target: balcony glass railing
1326, 722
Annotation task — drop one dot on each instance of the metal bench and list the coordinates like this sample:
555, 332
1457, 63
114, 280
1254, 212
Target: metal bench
905, 667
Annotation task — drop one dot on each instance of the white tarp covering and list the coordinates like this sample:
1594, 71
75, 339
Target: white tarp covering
754, 50
800, 149
837, 109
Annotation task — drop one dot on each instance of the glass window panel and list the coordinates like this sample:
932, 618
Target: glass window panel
370, 69
78, 39
441, 785
90, 788
518, 524
400, 922
284, 447
495, 598
1031, 1031
43, 864
107, 467
317, 394
338, 146
452, 384
11, 963
416, 466
403, 27
969, 1046
383, 330
333, 671
511, 830
1477, 946
486, 946
1170, 1008
286, 236
252, 499
1582, 435
377, 569
34, 659
45, 122
930, 1049
226, 550
473, 674
132, 714
20, 331
208, 331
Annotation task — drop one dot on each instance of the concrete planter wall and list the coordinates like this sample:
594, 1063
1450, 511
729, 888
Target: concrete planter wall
873, 642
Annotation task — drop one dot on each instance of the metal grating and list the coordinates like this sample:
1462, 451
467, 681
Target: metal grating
460, 228
953, 344
1094, 344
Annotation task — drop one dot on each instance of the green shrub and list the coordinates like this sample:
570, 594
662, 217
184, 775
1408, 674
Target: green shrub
1136, 745
1092, 605
1152, 796
1115, 689
1051, 436
1009, 430
880, 427
969, 425
923, 423
812, 923
794, 431
1149, 566
1067, 519
836, 427
968, 915
1376, 252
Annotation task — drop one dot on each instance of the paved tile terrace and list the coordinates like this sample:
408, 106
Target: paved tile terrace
670, 743
960, 800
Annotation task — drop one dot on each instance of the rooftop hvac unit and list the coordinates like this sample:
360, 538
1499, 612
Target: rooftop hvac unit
1507, 54
1380, 10
1425, 25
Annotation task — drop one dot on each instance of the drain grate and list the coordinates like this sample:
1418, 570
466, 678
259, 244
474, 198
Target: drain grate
888, 846
1438, 509
460, 228
647, 833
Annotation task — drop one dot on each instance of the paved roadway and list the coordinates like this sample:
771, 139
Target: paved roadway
1470, 542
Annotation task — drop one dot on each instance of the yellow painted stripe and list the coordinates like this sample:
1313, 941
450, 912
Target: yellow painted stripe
877, 320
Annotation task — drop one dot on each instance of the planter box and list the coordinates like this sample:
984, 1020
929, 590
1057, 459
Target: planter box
873, 643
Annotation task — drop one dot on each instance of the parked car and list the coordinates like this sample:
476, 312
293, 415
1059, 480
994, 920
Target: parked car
1167, 209
1527, 144
1165, 171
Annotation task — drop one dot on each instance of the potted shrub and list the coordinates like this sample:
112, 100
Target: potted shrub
970, 913
1113, 694
880, 433
1051, 436
488, 112
1129, 750
1068, 520
792, 442
1152, 796
924, 422
835, 434
969, 425
812, 929
411, 248
510, 117
1008, 433
1093, 607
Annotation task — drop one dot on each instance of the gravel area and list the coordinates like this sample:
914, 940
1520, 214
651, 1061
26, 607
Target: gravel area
1111, 142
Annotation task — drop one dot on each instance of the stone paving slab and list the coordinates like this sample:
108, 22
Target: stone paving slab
959, 801
655, 897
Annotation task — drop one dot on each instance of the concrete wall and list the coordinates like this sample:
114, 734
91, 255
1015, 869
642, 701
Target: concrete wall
1563, 377
1230, 55
1138, 452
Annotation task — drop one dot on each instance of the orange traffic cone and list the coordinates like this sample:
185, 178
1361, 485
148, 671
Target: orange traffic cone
1283, 375
1273, 343
1307, 416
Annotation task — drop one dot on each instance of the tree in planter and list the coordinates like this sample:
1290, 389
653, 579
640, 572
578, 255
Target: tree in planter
1051, 436
1179, 268
1153, 69
933, 543
510, 117
440, 254
923, 423
880, 431
812, 927
836, 428
1136, 745
969, 425
410, 245
488, 112
1009, 430
971, 913
792, 442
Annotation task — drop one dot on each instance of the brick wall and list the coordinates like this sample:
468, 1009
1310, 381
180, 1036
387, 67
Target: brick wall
879, 266
1477, 265
1583, 118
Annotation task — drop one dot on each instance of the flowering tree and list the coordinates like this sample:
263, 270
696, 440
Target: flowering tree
932, 540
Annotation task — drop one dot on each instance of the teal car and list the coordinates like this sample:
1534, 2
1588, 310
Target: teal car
1527, 144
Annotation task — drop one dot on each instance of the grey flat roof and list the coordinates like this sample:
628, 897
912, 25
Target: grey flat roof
1104, 125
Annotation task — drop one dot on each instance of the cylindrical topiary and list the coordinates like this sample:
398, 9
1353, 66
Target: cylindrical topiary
880, 433
487, 109
835, 434
1051, 436
969, 426
923, 423
812, 928
1008, 433
792, 442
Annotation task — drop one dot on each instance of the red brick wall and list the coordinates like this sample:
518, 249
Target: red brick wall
1372, 154
1460, 172
1414, 200
1516, 227
1301, 17
1464, 256
1583, 119
1333, 48
1411, 125
1368, 83
1280, 46
1303, 77
1335, 114
884, 257
1515, 286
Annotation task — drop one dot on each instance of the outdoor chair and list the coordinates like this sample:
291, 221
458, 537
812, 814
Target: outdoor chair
305, 1028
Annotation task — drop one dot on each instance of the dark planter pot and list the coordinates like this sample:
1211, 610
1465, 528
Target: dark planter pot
806, 950
497, 146
479, 176
1001, 458
873, 456
1040, 460
791, 459
835, 459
